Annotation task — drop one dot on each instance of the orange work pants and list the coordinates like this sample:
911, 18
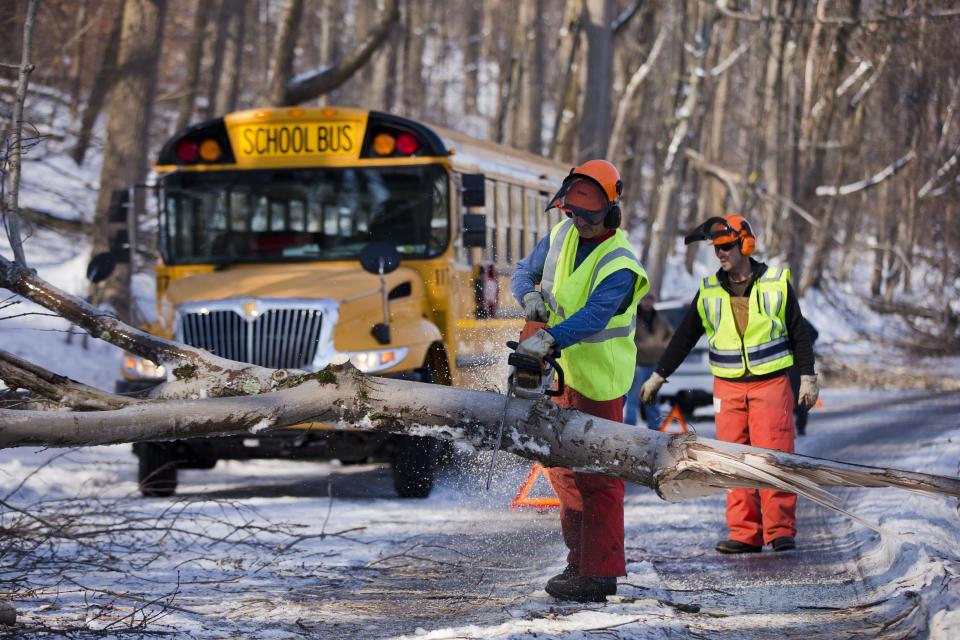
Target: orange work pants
758, 414
591, 505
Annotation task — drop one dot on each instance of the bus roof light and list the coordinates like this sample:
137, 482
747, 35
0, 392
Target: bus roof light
384, 144
210, 150
188, 150
407, 144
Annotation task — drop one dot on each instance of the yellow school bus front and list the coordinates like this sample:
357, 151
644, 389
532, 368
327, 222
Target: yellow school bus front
264, 214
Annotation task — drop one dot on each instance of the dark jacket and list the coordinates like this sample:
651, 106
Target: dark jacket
653, 334
690, 330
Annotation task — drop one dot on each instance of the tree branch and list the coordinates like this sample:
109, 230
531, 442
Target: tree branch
218, 375
872, 181
18, 373
11, 205
309, 86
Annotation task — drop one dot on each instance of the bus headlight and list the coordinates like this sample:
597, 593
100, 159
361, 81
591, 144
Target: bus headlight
137, 368
372, 361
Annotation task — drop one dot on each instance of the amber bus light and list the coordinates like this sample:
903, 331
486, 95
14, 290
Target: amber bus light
383, 144
210, 150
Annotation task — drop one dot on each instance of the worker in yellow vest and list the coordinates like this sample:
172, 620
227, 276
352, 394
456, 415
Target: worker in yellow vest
755, 331
590, 282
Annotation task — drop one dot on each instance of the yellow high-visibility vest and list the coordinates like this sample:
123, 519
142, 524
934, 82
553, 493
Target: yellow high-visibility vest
764, 347
601, 367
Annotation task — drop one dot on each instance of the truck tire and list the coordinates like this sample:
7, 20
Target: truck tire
157, 470
414, 466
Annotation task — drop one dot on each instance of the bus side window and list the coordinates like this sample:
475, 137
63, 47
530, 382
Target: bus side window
516, 223
533, 220
490, 253
503, 224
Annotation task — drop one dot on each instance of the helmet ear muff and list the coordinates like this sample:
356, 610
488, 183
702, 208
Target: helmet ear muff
613, 218
748, 242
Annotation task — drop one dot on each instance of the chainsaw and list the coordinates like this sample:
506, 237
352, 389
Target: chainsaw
529, 379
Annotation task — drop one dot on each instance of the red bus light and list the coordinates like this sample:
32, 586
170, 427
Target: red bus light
407, 144
188, 150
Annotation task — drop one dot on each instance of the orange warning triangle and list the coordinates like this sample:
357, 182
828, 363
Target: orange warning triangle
523, 499
819, 404
674, 416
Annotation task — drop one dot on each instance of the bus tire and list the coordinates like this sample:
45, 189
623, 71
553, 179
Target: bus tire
414, 465
157, 470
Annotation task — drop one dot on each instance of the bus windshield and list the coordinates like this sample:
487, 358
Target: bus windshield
286, 215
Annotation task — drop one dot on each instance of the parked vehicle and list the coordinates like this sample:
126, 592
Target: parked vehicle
691, 385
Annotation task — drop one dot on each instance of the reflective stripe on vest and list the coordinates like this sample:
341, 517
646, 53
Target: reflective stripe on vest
550, 266
601, 366
765, 346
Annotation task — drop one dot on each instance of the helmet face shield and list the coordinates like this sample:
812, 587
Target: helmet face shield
582, 197
716, 230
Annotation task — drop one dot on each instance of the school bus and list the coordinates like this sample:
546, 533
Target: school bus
265, 217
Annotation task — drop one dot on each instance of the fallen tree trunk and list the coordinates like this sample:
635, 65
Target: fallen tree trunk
675, 467
215, 397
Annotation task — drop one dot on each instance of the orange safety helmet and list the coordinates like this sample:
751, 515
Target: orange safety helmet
591, 191
732, 228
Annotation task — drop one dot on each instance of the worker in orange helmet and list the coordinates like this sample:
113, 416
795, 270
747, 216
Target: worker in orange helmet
755, 332
590, 283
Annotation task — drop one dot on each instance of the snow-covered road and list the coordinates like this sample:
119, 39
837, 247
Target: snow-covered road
291, 549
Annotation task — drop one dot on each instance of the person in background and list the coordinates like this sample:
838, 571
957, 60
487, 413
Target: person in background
653, 334
590, 285
755, 332
800, 412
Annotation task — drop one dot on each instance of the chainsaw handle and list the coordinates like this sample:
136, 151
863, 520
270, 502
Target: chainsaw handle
552, 361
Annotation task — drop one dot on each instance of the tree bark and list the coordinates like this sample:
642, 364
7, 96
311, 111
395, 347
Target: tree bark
188, 88
595, 121
472, 55
235, 28
128, 131
11, 203
286, 90
103, 82
569, 52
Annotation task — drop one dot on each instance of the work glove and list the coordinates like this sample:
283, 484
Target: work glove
534, 308
650, 388
809, 392
539, 345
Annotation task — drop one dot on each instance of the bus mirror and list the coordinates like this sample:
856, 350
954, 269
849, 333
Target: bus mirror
101, 266
473, 190
119, 244
119, 201
379, 258
474, 230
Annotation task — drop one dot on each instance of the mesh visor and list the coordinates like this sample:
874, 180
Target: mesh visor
581, 197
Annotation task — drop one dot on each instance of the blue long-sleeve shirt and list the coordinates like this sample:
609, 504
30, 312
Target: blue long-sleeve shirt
612, 296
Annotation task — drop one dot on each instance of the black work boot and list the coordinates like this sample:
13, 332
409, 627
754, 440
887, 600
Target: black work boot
571, 571
581, 589
784, 543
735, 546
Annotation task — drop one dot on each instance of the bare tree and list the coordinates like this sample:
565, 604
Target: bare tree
14, 155
287, 90
188, 90
128, 132
103, 82
596, 118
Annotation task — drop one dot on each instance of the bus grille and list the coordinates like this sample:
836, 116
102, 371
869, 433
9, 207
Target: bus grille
278, 338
